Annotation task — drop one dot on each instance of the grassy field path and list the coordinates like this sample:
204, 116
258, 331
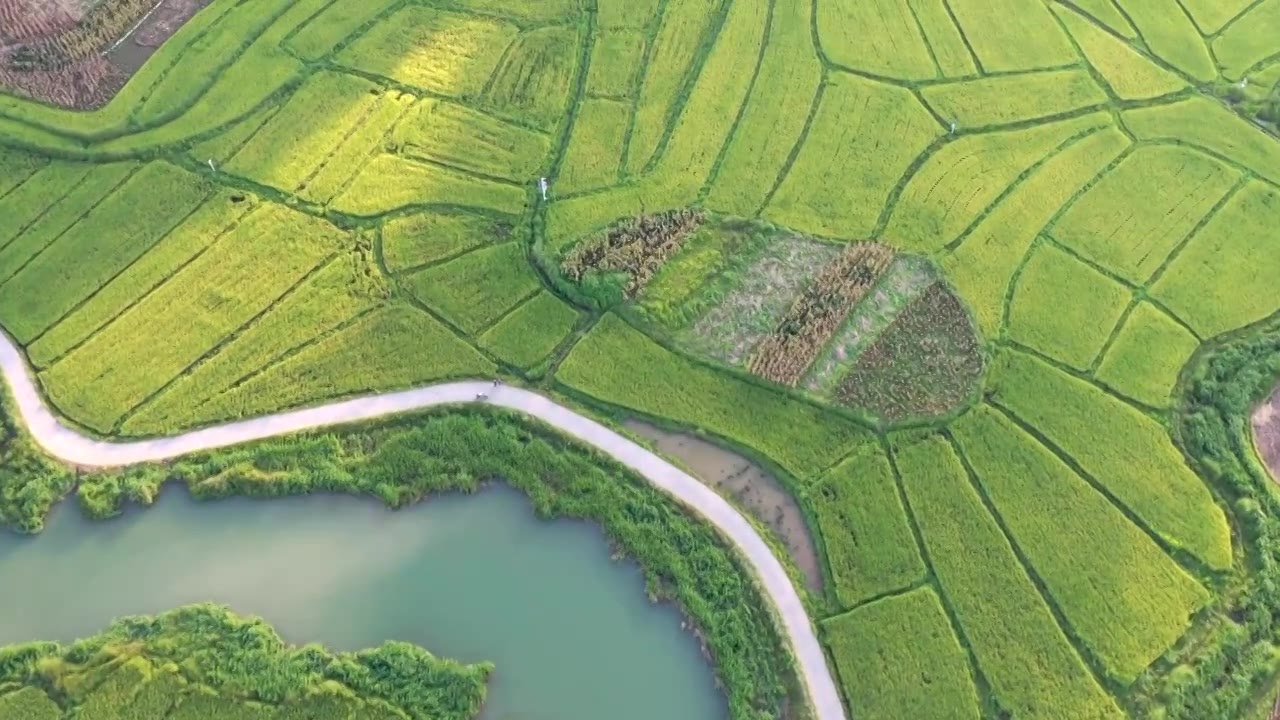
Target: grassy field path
70, 446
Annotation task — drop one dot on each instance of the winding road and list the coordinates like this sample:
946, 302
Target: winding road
70, 446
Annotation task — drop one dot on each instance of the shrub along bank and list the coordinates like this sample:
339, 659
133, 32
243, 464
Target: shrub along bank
1234, 671
406, 460
203, 661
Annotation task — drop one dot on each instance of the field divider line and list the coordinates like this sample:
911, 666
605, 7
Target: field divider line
70, 446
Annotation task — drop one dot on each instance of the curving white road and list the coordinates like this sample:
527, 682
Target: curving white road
70, 446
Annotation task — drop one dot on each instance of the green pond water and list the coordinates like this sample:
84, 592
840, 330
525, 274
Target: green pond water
571, 631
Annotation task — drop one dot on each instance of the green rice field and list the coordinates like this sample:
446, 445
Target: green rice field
938, 265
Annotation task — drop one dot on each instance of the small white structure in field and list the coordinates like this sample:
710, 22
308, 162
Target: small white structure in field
953, 128
1244, 83
211, 167
542, 185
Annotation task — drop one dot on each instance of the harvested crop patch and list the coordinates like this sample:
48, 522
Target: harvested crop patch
928, 363
636, 248
785, 354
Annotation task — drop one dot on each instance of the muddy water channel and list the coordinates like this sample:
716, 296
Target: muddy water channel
749, 486
571, 632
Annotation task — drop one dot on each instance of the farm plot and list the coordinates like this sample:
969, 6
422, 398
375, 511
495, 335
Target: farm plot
531, 332
1139, 212
1122, 595
927, 363
533, 82
421, 239
1224, 279
1103, 434
1011, 99
1147, 355
1205, 123
296, 141
870, 549
334, 25
943, 37
619, 263
619, 365
190, 314
444, 52
1064, 308
465, 139
594, 154
395, 346
887, 651
78, 263
1106, 12
29, 200
478, 288
1130, 75
16, 167
616, 60
864, 137
336, 295
957, 184
985, 264
1172, 36
1009, 35
1007, 624
1248, 41
875, 36
391, 182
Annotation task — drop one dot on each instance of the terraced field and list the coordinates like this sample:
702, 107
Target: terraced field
939, 265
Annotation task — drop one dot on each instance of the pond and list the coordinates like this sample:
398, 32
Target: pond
570, 630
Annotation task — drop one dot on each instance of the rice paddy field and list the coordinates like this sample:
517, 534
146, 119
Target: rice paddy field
938, 264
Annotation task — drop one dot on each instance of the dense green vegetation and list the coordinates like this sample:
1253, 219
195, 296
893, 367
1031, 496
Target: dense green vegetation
204, 662
1005, 225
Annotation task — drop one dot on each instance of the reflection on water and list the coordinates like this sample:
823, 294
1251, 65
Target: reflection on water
750, 487
473, 578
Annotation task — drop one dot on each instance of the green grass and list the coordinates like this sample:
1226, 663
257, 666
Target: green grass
1106, 12
1103, 435
24, 204
194, 310
78, 263
428, 237
1032, 669
531, 332
1064, 308
29, 703
890, 651
1139, 212
16, 167
435, 50
626, 13
876, 36
693, 279
845, 171
1120, 593
865, 532
1014, 98
1211, 15
369, 136
620, 366
1130, 75
962, 180
318, 38
478, 288
1236, 253
1144, 361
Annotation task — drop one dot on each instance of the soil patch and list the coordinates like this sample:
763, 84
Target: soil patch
750, 487
1266, 431
78, 54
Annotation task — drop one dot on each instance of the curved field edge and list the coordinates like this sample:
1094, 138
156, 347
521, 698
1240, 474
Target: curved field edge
205, 661
407, 459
